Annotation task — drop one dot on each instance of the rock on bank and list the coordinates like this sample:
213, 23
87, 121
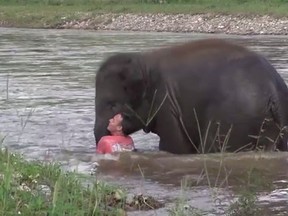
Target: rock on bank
204, 23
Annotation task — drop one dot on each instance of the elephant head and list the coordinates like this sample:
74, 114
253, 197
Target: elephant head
121, 87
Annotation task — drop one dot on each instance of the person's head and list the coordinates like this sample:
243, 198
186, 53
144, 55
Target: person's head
115, 125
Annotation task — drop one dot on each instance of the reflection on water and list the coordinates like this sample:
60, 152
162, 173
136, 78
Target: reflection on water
47, 112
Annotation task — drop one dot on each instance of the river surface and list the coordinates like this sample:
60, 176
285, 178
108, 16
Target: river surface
47, 112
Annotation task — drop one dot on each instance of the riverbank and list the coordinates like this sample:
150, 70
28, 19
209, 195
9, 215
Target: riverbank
228, 17
43, 188
199, 23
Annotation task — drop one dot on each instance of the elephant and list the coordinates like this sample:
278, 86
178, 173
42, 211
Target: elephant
201, 96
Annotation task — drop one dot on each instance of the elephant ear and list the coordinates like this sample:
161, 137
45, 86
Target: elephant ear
131, 77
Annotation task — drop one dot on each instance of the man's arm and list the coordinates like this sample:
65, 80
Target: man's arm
104, 146
101, 147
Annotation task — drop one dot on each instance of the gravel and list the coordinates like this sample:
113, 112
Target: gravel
201, 23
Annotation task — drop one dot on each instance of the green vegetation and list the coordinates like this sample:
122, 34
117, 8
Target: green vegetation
49, 13
245, 205
35, 188
41, 188
278, 7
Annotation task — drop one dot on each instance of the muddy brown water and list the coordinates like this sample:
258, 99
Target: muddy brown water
47, 113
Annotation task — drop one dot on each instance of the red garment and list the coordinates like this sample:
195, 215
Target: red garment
110, 144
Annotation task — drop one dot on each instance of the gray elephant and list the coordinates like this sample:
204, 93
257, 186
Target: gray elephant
198, 97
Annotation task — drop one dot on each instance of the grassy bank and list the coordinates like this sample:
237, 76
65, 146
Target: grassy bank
30, 188
42, 188
49, 13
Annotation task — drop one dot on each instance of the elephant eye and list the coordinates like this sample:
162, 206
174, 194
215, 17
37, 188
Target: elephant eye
112, 105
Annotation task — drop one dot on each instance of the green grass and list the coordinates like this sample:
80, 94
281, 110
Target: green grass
171, 6
49, 13
37, 188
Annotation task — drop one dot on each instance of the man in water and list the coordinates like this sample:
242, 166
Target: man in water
118, 141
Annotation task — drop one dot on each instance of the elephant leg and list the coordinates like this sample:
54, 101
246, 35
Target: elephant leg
264, 136
225, 137
211, 138
283, 142
273, 137
173, 138
214, 137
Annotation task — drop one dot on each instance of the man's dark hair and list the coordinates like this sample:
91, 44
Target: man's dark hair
126, 125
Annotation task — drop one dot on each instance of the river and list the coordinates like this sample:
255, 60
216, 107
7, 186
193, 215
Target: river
47, 112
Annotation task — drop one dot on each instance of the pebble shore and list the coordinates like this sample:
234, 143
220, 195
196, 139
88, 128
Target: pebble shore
200, 23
